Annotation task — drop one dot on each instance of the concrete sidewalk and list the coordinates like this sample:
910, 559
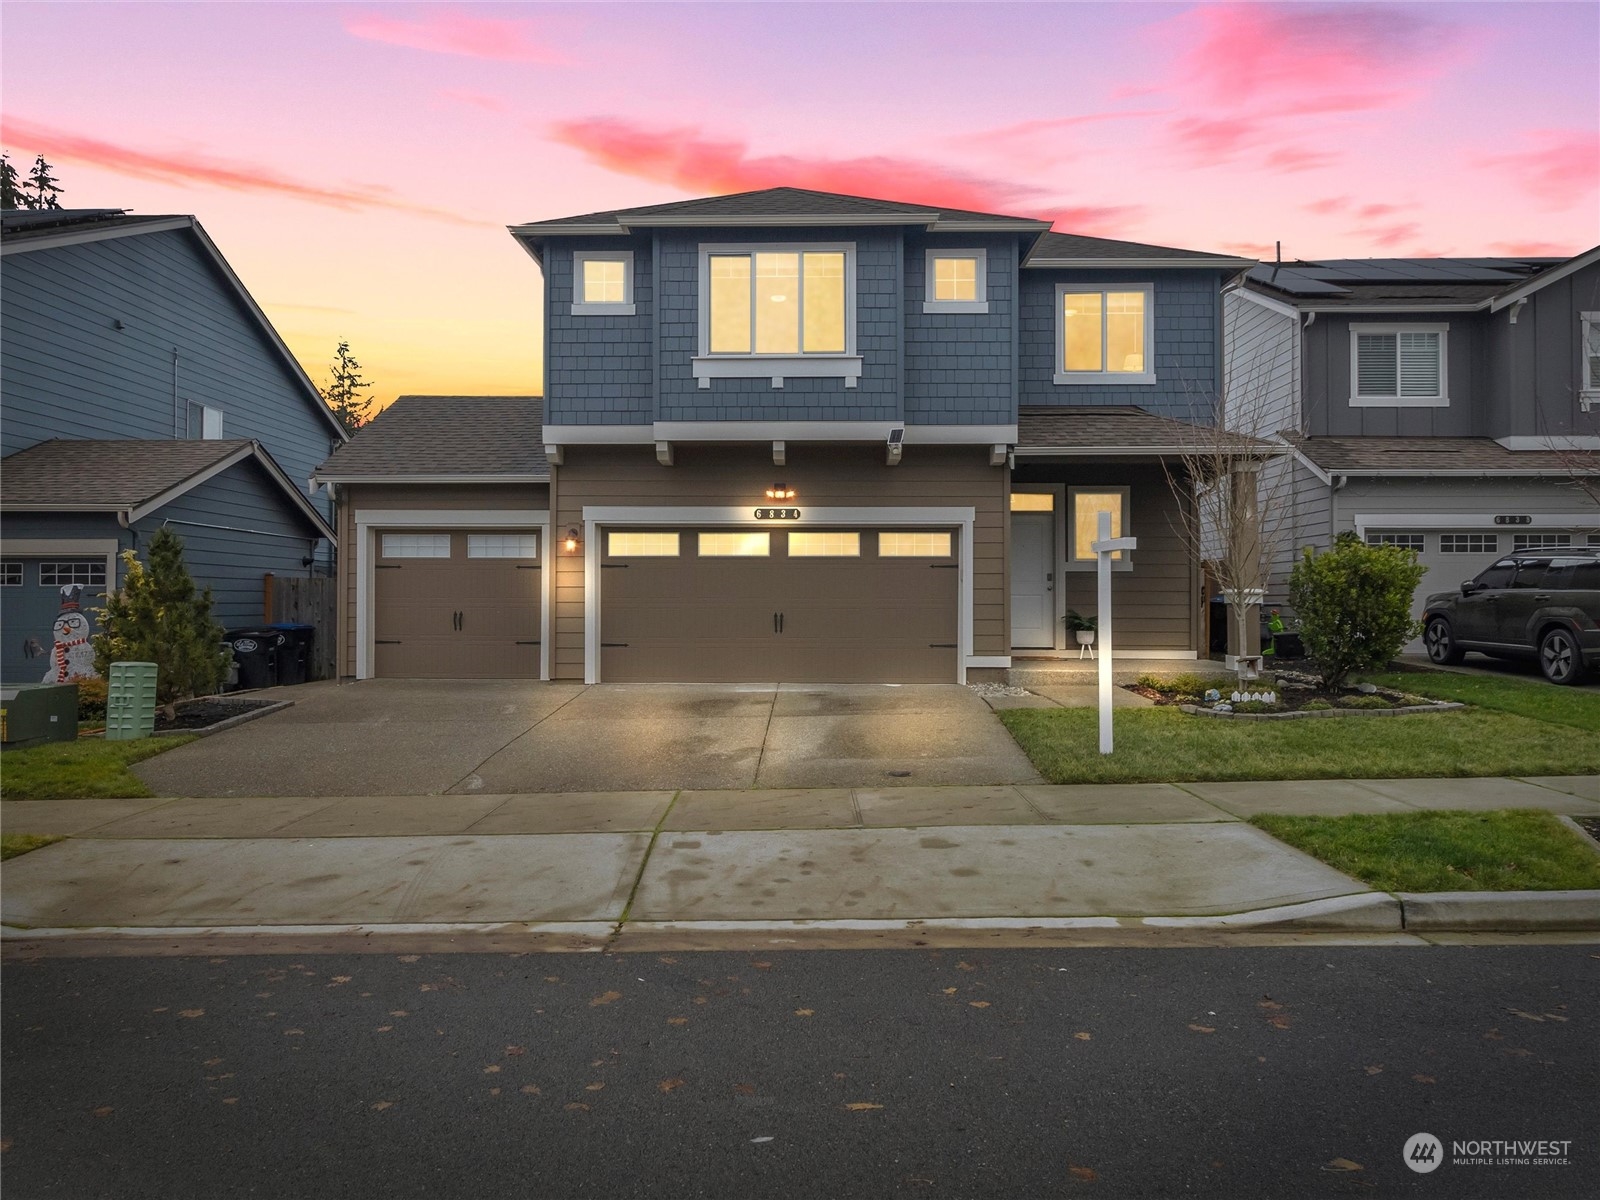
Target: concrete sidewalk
588, 863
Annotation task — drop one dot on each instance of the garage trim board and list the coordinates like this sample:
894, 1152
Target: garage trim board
597, 518
370, 522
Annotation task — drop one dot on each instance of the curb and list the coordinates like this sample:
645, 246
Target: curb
1500, 912
229, 722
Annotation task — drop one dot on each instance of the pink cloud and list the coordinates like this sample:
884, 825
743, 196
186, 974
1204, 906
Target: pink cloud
1329, 204
451, 32
1216, 138
473, 99
1286, 159
1561, 169
1534, 249
1387, 237
190, 170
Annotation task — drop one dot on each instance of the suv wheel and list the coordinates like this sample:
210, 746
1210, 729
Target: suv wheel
1560, 659
1441, 642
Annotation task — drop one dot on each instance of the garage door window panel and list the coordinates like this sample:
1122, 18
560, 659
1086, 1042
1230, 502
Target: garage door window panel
824, 544
914, 545
1469, 543
416, 545
642, 544
735, 545
502, 545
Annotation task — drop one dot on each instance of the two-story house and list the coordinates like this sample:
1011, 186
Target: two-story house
141, 386
1448, 405
797, 436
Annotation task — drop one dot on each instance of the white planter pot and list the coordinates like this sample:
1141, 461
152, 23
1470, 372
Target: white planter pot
1085, 637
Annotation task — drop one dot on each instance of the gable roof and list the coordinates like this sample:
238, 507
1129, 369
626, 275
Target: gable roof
781, 206
1076, 250
1431, 456
25, 231
1464, 284
132, 477
1125, 431
429, 439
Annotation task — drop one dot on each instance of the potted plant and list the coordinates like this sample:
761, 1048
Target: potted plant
1081, 627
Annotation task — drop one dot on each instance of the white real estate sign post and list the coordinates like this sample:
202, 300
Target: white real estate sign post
1104, 546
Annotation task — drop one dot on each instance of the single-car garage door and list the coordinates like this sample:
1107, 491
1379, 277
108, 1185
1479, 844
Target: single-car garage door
779, 606
456, 604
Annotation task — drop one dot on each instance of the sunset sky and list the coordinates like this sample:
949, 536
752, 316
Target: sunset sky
358, 163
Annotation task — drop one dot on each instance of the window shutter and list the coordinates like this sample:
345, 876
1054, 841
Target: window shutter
1419, 364
1375, 365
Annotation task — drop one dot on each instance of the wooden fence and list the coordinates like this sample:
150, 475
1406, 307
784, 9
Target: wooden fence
306, 602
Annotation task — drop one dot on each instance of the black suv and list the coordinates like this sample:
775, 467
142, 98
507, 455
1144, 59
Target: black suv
1534, 603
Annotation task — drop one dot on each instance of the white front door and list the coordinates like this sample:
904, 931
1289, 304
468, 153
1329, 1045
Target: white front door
1033, 598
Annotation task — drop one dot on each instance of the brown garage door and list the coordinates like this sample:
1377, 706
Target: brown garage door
456, 604
779, 606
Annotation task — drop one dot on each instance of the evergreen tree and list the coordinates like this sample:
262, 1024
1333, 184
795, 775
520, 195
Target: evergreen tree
344, 392
43, 182
158, 616
11, 193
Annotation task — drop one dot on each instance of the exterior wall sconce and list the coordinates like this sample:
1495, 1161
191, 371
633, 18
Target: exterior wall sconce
572, 541
779, 492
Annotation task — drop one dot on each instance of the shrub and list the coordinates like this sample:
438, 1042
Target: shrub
1365, 702
1256, 706
1354, 605
1315, 706
91, 699
1176, 684
157, 616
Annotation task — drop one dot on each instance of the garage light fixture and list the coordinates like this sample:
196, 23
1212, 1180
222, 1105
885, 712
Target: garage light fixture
573, 541
779, 492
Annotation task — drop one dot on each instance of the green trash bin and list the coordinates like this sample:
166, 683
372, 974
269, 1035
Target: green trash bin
31, 713
131, 701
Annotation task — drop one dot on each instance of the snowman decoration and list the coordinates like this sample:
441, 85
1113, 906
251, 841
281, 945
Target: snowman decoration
72, 657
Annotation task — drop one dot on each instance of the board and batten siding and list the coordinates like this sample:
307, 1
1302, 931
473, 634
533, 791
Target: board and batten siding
68, 372
823, 476
364, 497
1537, 365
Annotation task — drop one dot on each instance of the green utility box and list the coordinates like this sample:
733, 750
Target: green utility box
31, 713
131, 701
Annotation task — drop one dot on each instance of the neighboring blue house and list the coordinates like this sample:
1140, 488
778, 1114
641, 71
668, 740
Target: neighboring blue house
141, 386
800, 436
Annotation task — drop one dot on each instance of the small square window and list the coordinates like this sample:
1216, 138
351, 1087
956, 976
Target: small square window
1406, 541
205, 422
10, 574
825, 545
1105, 334
914, 545
629, 544
502, 545
1398, 366
1086, 505
956, 281
602, 283
416, 545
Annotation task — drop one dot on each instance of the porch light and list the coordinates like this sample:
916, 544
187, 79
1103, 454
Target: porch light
573, 541
779, 492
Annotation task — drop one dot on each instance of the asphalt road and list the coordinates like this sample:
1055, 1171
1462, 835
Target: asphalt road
1296, 1072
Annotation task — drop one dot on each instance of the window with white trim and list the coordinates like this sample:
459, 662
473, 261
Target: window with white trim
416, 545
1399, 366
735, 545
1594, 539
914, 545
956, 281
10, 574
205, 422
1590, 326
1406, 541
1084, 506
602, 283
1469, 543
502, 545
1033, 502
1540, 541
1105, 334
89, 572
830, 544
632, 544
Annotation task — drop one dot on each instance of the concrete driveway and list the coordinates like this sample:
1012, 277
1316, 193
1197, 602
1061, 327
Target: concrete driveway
416, 737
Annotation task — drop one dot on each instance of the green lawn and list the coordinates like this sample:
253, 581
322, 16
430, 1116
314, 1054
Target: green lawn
1578, 707
1506, 851
87, 767
13, 844
1157, 744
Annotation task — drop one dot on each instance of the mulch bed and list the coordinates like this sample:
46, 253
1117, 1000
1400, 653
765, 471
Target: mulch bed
1296, 693
199, 714
1590, 825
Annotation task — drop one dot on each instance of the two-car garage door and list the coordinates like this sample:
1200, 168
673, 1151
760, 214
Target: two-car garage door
456, 604
779, 605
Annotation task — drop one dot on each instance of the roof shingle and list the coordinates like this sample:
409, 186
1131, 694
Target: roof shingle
1467, 454
93, 475
1127, 429
446, 435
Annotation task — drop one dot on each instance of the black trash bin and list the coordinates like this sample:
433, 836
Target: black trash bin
1287, 645
294, 653
256, 651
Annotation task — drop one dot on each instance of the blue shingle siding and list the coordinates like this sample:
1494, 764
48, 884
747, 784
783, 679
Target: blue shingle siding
599, 368
67, 371
1185, 344
875, 397
959, 368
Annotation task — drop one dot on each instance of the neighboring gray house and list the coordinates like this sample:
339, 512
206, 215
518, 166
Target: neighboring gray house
801, 436
1448, 405
141, 386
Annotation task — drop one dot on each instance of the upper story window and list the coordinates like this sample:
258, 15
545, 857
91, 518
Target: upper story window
1591, 357
779, 310
602, 283
204, 421
1399, 366
956, 281
1105, 334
